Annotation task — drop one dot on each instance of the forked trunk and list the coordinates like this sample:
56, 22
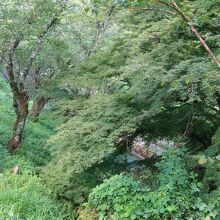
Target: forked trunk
38, 106
21, 109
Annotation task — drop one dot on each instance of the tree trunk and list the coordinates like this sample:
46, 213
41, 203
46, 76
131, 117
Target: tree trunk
21, 109
38, 106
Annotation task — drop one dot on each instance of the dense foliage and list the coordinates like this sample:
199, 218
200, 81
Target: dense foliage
81, 81
121, 197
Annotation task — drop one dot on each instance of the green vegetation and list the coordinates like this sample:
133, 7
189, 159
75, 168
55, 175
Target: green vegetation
24, 197
34, 153
121, 197
82, 81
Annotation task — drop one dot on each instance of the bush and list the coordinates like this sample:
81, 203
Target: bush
119, 197
176, 196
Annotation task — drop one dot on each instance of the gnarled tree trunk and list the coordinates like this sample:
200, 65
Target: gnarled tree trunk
37, 107
21, 109
20, 103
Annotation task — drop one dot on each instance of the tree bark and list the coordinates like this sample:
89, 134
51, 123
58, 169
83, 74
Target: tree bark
21, 109
20, 103
37, 107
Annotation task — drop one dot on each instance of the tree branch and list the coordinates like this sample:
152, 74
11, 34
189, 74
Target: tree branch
41, 37
101, 29
176, 8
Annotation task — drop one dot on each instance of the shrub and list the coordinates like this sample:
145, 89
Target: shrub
119, 197
176, 196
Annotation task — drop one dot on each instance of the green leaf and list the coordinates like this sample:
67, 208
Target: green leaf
174, 85
171, 208
202, 160
218, 157
87, 9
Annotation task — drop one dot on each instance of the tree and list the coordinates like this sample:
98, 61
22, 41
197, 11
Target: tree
153, 80
85, 29
24, 36
50, 65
